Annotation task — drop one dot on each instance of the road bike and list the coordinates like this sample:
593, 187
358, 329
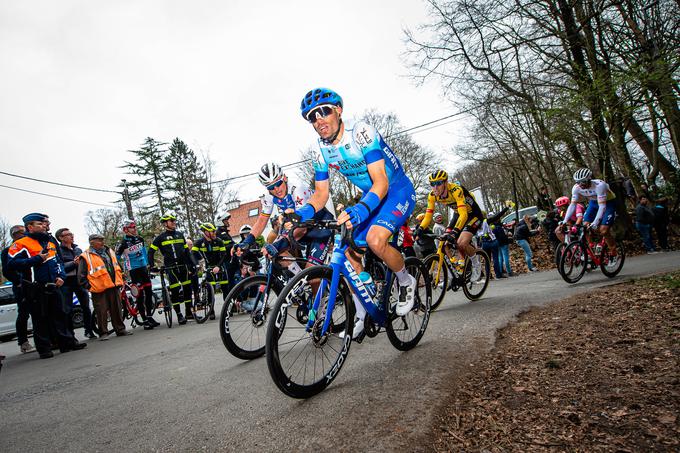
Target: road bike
204, 298
129, 293
166, 301
576, 256
450, 273
247, 306
304, 355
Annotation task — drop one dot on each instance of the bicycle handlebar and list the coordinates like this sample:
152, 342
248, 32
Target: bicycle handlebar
330, 224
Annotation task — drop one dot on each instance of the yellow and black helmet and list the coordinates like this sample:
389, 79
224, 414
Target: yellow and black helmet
207, 226
438, 175
168, 216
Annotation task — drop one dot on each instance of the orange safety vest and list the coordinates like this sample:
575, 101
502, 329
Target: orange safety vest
97, 275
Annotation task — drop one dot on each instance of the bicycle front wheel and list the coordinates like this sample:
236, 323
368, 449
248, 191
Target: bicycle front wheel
244, 315
610, 264
558, 254
404, 332
477, 272
438, 277
205, 304
167, 309
303, 362
573, 262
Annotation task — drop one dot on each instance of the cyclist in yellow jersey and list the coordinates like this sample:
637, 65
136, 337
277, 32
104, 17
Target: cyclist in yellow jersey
469, 217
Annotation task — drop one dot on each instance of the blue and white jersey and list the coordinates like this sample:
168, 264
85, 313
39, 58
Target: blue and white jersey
360, 146
297, 196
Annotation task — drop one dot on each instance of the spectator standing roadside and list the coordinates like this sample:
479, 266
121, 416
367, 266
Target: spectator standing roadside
23, 310
631, 196
405, 241
544, 200
503, 247
224, 234
99, 272
522, 234
661, 220
438, 228
644, 220
490, 246
70, 253
36, 259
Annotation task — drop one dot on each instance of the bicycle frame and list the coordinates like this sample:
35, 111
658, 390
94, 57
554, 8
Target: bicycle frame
342, 267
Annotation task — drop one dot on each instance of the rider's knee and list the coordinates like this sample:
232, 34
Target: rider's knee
376, 243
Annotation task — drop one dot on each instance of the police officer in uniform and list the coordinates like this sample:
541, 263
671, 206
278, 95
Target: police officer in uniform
36, 259
178, 263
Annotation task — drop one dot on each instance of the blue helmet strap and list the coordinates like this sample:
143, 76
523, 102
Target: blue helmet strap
332, 139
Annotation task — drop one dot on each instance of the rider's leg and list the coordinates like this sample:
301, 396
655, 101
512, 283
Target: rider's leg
355, 261
464, 244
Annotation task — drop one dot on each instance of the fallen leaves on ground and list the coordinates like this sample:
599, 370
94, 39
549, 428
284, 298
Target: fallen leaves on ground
595, 372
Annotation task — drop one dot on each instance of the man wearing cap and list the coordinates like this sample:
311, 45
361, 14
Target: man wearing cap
23, 312
224, 234
98, 271
36, 259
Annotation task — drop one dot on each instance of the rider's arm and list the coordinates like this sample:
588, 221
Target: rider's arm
155, 245
429, 211
459, 198
574, 200
601, 190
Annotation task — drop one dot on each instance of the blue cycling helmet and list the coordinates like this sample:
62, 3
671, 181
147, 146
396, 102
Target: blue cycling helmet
317, 97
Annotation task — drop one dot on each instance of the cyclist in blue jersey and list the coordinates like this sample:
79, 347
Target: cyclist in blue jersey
359, 152
132, 253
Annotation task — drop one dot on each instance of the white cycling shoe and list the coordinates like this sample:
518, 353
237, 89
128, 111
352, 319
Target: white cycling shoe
406, 297
357, 331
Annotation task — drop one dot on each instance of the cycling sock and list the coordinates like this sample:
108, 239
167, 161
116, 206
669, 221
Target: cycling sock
403, 276
294, 268
360, 310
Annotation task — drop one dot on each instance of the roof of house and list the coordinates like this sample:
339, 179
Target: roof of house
245, 214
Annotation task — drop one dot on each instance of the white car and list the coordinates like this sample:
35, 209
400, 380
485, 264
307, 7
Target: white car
8, 313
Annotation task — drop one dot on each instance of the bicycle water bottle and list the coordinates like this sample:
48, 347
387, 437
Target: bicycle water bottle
368, 282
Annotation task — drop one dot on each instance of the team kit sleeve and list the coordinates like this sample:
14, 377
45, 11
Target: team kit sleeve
574, 202
429, 211
267, 202
320, 167
601, 190
366, 136
459, 198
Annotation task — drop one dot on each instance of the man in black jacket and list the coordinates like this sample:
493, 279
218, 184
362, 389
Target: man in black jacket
522, 235
644, 219
70, 253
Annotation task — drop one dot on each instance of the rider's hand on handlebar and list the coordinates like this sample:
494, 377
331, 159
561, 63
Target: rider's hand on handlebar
269, 251
154, 269
216, 270
344, 218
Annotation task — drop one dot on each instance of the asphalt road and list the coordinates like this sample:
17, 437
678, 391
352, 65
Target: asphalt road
179, 389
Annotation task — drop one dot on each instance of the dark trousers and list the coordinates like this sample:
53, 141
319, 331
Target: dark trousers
645, 231
662, 234
140, 277
491, 248
49, 319
23, 313
180, 287
68, 289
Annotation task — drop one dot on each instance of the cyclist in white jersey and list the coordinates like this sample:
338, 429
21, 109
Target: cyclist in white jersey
601, 210
287, 195
360, 154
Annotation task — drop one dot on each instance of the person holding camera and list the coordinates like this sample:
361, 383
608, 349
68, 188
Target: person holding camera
36, 259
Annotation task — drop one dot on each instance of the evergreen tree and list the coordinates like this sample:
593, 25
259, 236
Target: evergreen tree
151, 175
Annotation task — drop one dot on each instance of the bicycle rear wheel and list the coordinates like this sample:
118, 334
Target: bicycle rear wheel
612, 265
573, 262
438, 277
476, 278
205, 303
243, 317
302, 363
404, 332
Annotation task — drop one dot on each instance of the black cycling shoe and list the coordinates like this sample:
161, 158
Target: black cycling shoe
152, 322
147, 325
181, 320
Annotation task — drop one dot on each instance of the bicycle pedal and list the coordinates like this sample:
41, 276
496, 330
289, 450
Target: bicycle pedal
360, 338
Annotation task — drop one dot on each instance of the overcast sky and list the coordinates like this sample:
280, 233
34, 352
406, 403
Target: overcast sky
84, 81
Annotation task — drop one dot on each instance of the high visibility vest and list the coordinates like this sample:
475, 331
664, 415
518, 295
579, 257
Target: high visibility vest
97, 275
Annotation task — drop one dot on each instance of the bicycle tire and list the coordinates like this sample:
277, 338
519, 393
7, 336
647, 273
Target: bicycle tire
231, 310
205, 305
573, 262
558, 254
473, 290
287, 339
404, 332
612, 271
439, 284
167, 309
